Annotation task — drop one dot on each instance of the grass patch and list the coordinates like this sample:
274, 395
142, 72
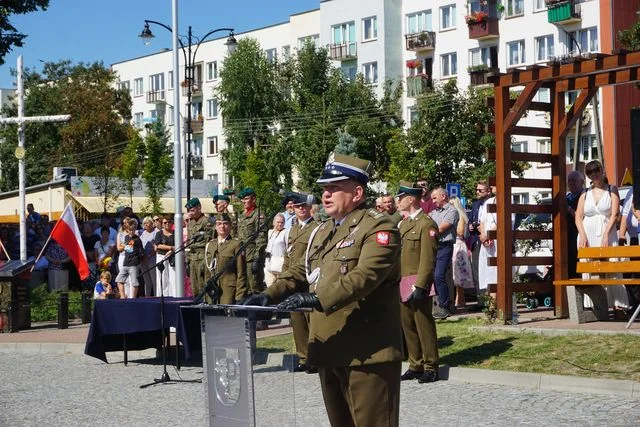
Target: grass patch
584, 355
276, 344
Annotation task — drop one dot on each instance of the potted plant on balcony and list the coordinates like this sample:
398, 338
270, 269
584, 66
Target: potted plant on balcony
414, 64
477, 17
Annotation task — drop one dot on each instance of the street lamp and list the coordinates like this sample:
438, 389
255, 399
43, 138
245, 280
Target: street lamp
189, 59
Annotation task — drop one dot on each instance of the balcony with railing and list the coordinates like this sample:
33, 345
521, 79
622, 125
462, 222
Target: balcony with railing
343, 51
563, 11
196, 125
196, 87
483, 21
418, 85
479, 74
156, 97
424, 40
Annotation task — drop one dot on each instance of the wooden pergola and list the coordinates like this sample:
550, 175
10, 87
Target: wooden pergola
584, 74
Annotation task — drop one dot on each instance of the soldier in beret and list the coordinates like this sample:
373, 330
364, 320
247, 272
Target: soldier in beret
417, 264
248, 224
218, 252
199, 232
353, 270
221, 201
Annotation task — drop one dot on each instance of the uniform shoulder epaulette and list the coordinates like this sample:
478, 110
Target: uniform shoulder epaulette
374, 213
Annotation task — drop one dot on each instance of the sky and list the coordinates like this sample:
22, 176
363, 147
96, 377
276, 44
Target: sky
107, 30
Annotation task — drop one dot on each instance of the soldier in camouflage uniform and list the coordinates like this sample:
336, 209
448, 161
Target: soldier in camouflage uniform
199, 231
248, 223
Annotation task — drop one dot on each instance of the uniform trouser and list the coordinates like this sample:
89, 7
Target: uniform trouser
228, 294
419, 330
300, 325
443, 262
197, 273
366, 395
255, 281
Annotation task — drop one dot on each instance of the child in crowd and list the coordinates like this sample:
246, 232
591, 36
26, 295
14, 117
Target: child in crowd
133, 253
103, 288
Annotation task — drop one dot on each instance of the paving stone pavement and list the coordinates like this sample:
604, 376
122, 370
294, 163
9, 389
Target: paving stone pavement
72, 389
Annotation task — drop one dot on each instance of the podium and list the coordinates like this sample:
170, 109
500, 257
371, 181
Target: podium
239, 388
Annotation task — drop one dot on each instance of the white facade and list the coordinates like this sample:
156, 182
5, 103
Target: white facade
378, 38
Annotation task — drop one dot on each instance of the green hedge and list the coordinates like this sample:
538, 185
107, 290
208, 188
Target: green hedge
44, 304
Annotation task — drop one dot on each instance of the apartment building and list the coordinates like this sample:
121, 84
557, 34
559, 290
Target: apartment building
420, 43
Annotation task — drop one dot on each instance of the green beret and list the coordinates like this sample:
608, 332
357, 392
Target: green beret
246, 192
407, 188
192, 203
228, 192
221, 197
223, 217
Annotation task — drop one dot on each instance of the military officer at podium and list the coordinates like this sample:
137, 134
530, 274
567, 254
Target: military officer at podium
218, 253
419, 235
352, 266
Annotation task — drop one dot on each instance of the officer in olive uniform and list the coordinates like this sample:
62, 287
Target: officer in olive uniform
418, 261
221, 201
199, 232
219, 251
352, 266
299, 234
248, 224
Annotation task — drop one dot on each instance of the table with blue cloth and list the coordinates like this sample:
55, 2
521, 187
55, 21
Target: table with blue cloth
134, 324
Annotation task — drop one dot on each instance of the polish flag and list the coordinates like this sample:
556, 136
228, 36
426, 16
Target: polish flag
67, 234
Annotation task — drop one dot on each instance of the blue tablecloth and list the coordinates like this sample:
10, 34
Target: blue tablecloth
138, 321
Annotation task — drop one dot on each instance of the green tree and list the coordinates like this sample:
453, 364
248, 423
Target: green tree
131, 165
97, 132
9, 35
630, 38
158, 164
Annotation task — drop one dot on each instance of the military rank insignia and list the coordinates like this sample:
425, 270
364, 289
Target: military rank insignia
433, 233
382, 237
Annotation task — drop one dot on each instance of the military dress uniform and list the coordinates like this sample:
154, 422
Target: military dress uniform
233, 281
197, 271
418, 258
254, 251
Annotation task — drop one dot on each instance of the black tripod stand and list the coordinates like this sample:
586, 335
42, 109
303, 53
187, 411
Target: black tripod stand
164, 378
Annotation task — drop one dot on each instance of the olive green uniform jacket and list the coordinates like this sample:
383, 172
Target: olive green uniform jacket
419, 248
247, 226
233, 281
357, 285
197, 270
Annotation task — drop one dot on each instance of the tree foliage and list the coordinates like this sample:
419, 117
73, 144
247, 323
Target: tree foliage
9, 35
158, 164
630, 38
92, 138
131, 164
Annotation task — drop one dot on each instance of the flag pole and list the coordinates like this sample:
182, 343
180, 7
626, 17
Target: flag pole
48, 240
5, 251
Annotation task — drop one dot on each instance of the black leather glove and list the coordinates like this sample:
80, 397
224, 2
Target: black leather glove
257, 299
622, 241
255, 266
418, 294
301, 300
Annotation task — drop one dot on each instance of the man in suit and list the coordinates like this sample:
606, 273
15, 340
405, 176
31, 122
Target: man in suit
419, 235
352, 266
218, 253
248, 224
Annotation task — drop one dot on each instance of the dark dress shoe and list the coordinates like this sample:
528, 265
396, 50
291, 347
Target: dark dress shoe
440, 313
301, 367
428, 377
312, 369
410, 375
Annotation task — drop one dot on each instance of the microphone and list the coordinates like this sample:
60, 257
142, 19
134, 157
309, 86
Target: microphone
198, 237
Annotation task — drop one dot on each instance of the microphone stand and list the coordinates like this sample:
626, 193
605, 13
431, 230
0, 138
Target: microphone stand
164, 378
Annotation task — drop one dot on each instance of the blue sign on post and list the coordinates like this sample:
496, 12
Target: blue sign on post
454, 189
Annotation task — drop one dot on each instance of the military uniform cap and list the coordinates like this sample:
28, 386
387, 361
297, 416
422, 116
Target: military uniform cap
223, 217
340, 167
299, 198
228, 192
192, 203
221, 197
247, 192
407, 188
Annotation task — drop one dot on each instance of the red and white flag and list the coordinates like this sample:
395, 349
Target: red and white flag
67, 234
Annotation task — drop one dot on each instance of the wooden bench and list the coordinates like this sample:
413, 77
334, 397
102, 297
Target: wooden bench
599, 261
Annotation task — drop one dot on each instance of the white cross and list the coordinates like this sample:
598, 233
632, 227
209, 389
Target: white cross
21, 120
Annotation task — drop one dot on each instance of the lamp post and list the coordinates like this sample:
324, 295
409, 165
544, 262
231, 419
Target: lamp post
189, 59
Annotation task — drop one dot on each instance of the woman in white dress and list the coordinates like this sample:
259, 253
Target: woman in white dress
596, 217
276, 249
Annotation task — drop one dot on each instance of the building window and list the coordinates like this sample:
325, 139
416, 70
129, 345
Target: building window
419, 22
213, 177
370, 28
272, 55
570, 97
544, 147
544, 47
514, 7
344, 33
315, 39
539, 5
586, 40
480, 56
138, 87
520, 146
515, 52
448, 17
520, 198
169, 119
286, 52
370, 72
449, 64
125, 85
170, 80
587, 150
156, 82
212, 108
543, 95
138, 119
350, 71
212, 70
212, 142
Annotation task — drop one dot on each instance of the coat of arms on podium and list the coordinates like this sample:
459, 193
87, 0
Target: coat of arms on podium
227, 375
